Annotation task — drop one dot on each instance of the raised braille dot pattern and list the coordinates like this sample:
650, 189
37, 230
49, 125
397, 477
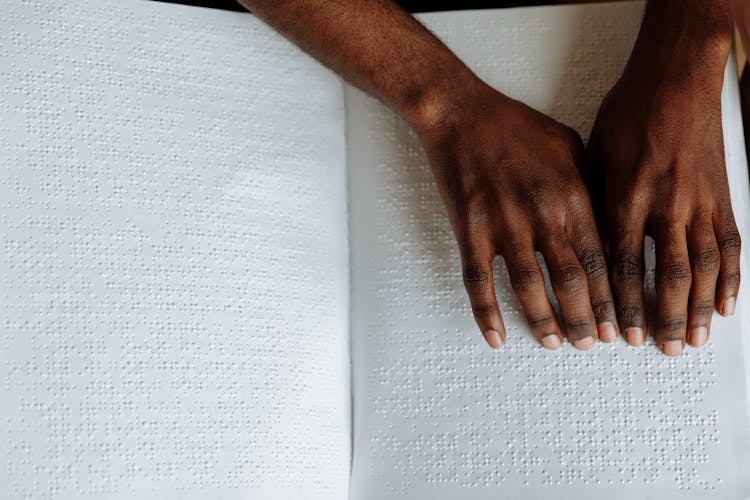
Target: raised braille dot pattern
438, 414
173, 279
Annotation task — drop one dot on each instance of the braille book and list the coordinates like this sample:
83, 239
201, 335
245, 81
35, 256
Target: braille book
226, 274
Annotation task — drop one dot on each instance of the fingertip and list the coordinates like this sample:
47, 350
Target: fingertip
493, 338
634, 336
698, 336
584, 344
607, 331
672, 347
727, 308
551, 341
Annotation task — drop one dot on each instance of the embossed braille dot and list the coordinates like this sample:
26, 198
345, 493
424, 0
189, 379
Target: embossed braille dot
141, 211
141, 305
617, 419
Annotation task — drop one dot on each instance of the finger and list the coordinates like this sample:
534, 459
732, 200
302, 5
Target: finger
571, 289
587, 247
626, 277
527, 281
480, 285
728, 284
673, 280
704, 263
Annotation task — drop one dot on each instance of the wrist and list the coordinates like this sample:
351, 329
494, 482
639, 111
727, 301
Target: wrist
444, 101
684, 43
692, 35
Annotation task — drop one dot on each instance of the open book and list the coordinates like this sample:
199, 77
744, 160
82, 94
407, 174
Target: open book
226, 274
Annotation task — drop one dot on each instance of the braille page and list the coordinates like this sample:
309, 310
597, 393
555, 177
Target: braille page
174, 271
439, 415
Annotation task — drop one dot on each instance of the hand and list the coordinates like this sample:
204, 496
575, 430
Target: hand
508, 175
509, 178
657, 145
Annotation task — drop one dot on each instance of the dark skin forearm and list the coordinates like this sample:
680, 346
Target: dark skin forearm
688, 20
685, 37
508, 175
376, 46
657, 139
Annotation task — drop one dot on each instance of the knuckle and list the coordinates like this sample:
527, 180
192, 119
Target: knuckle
575, 197
578, 324
472, 238
703, 308
633, 204
673, 209
514, 245
731, 279
538, 199
706, 259
730, 242
603, 309
475, 217
475, 277
484, 310
674, 324
526, 279
594, 263
628, 268
465, 188
540, 322
631, 313
674, 275
671, 215
569, 277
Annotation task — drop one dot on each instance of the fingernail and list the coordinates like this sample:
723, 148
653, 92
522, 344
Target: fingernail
584, 344
493, 339
728, 308
607, 332
672, 347
698, 336
634, 335
551, 342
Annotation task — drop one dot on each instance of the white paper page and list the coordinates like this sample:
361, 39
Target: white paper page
439, 415
174, 271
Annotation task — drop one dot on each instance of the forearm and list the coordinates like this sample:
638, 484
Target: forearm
691, 33
700, 20
379, 48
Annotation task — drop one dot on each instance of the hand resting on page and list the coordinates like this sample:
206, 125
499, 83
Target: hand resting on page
658, 156
511, 177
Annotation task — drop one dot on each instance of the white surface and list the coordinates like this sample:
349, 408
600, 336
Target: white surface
174, 301
174, 271
437, 414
